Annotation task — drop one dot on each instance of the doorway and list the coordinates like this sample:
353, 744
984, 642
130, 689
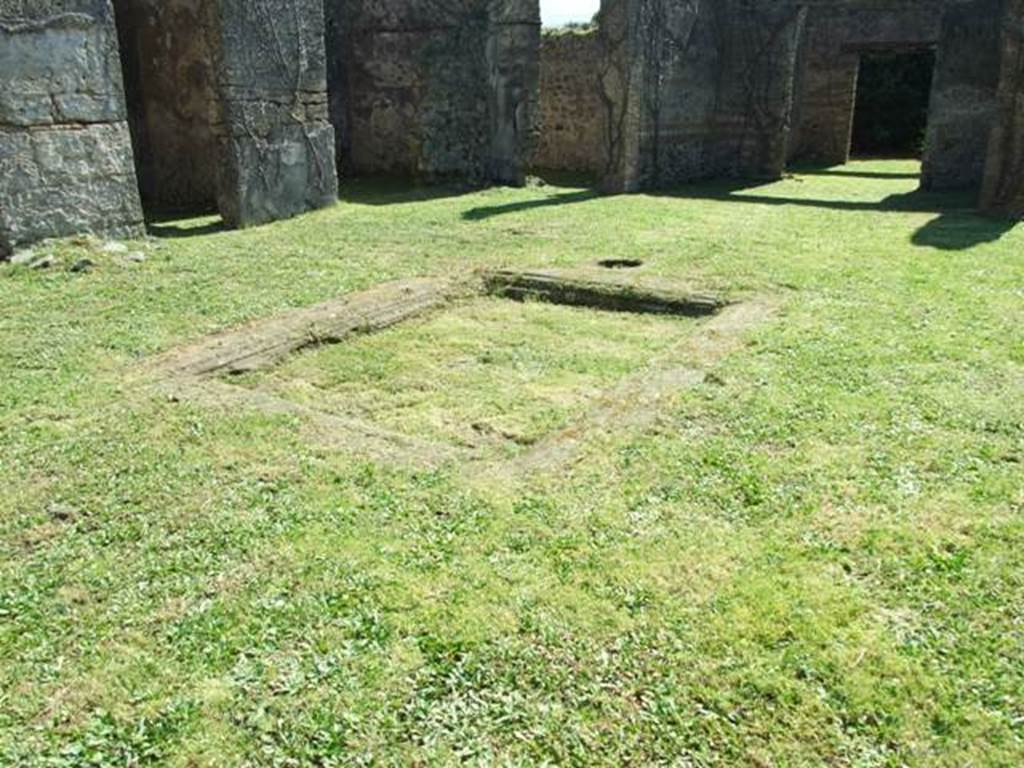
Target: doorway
168, 67
891, 112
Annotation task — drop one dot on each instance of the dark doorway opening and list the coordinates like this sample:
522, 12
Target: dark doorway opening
891, 114
167, 62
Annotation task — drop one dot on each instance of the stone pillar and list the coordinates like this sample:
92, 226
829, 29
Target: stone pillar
757, 53
65, 151
1003, 187
277, 146
697, 90
622, 84
513, 59
963, 100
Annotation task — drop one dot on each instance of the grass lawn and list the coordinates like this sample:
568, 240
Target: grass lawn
814, 558
488, 373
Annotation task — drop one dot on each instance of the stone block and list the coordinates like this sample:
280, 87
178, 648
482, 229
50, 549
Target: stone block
229, 103
59, 64
286, 170
697, 90
62, 180
65, 151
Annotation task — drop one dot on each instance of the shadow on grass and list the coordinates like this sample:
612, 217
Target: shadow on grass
568, 198
189, 221
395, 191
957, 226
908, 202
957, 231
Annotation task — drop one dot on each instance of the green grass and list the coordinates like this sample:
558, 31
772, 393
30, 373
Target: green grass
485, 372
815, 559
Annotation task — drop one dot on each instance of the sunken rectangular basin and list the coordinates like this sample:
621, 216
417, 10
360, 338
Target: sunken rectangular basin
484, 373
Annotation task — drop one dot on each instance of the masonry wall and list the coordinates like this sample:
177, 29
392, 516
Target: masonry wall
435, 90
1003, 186
698, 90
65, 152
963, 100
571, 109
836, 33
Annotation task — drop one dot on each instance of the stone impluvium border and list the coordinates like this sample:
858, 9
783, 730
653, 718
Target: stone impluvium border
197, 373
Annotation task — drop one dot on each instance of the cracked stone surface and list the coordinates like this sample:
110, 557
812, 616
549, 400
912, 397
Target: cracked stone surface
65, 151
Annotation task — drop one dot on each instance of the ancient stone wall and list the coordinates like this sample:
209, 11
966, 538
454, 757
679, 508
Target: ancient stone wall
230, 100
430, 89
963, 100
65, 152
570, 102
1003, 188
697, 90
837, 32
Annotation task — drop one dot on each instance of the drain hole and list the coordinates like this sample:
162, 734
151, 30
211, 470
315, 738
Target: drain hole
620, 263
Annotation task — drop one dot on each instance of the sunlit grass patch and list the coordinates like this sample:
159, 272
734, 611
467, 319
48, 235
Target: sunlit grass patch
483, 372
813, 557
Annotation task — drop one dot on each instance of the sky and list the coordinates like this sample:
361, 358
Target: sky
554, 13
